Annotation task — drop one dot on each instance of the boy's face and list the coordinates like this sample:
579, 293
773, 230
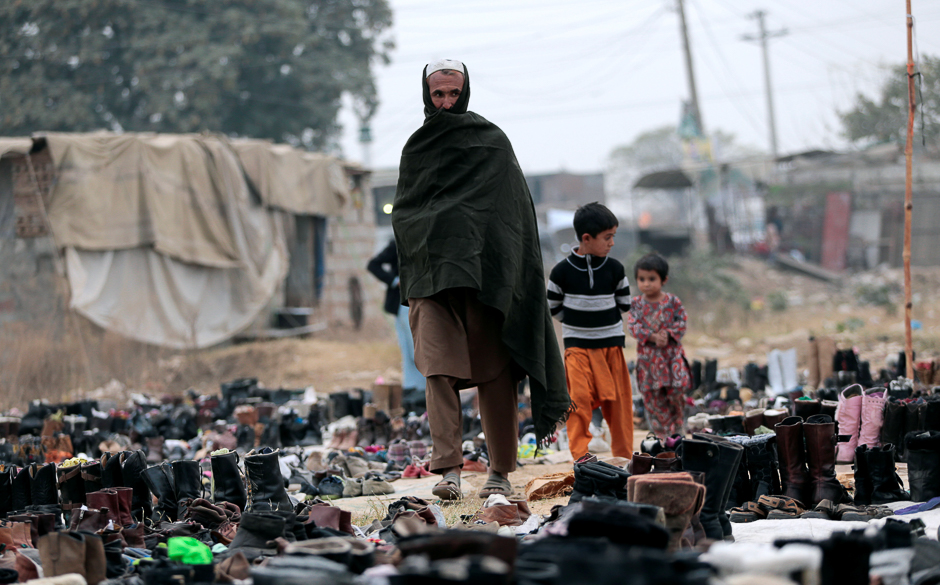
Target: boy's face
599, 245
649, 282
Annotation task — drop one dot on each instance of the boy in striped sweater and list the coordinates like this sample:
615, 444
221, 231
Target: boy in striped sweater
587, 292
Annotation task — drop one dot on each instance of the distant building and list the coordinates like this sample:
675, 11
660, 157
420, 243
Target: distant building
565, 190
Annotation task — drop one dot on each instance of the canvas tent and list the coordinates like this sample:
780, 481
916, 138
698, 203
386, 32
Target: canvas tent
179, 240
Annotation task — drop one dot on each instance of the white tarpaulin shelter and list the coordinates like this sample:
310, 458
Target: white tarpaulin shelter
170, 239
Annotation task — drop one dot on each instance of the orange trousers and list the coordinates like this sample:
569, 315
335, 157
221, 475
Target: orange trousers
599, 377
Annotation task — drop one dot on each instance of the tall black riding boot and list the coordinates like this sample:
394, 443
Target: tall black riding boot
22, 495
730, 455
71, 487
42, 485
91, 476
111, 475
227, 482
187, 478
159, 481
265, 482
7, 473
892, 429
706, 457
133, 464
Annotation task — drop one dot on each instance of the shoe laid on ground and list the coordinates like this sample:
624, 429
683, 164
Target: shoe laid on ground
749, 512
824, 510
476, 466
331, 487
376, 486
781, 507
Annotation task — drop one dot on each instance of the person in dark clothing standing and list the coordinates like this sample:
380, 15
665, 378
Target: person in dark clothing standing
384, 266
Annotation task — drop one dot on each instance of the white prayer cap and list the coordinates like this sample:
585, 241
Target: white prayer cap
442, 64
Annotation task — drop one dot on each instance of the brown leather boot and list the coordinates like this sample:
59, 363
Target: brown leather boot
63, 552
821, 459
792, 458
679, 497
106, 500
95, 563
752, 420
90, 519
125, 497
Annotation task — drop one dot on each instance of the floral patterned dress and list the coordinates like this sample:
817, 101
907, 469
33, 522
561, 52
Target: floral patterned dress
662, 373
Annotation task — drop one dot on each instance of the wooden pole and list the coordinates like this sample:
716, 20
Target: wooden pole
908, 198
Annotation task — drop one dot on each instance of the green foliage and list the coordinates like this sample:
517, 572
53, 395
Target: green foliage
852, 324
884, 119
777, 301
263, 68
882, 295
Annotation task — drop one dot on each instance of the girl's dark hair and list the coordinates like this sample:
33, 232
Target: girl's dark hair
653, 262
593, 219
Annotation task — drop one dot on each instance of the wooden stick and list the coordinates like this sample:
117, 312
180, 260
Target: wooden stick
908, 199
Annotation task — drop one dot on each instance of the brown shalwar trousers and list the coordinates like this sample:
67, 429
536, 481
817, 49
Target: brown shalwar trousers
458, 344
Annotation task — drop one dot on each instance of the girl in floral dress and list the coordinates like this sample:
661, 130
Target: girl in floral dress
657, 321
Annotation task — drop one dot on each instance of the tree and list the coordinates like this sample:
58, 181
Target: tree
884, 119
263, 68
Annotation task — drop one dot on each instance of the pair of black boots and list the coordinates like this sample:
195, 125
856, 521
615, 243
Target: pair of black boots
596, 478
758, 473
876, 478
175, 484
902, 418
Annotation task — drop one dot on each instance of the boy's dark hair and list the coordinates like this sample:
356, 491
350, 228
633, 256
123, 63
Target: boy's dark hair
593, 219
653, 262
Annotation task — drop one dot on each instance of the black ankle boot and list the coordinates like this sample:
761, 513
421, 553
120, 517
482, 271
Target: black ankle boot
265, 482
862, 473
227, 483
886, 484
159, 481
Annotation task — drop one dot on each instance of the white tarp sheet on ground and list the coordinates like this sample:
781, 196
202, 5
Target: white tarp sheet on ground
165, 242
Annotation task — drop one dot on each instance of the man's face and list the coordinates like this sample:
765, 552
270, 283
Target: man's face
445, 89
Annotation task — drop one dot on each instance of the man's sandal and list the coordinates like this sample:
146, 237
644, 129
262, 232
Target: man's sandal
449, 487
496, 485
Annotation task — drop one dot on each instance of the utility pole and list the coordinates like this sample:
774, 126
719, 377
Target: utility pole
689, 69
762, 39
908, 198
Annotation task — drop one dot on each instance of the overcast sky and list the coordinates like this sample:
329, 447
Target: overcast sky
568, 81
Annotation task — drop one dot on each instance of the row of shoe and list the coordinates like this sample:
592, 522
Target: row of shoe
786, 508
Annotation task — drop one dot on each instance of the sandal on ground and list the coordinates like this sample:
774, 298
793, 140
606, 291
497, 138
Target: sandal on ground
859, 513
824, 510
781, 507
449, 487
496, 484
749, 512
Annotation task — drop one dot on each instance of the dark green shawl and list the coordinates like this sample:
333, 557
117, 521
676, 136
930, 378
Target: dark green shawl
463, 217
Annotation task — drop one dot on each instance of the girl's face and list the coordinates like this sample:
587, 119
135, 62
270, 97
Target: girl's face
649, 282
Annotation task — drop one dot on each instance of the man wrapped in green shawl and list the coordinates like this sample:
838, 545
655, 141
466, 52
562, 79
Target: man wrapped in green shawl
471, 272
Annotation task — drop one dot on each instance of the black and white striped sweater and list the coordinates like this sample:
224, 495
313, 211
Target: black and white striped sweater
588, 294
